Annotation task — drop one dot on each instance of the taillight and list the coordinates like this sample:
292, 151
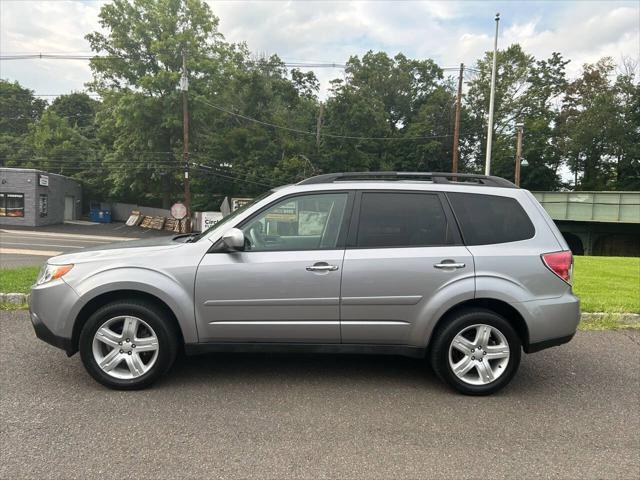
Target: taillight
560, 263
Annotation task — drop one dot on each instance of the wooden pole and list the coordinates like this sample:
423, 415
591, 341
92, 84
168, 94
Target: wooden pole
518, 153
456, 127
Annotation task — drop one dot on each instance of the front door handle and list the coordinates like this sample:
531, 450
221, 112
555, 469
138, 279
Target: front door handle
322, 267
449, 265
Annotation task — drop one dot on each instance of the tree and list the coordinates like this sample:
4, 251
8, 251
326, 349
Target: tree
392, 101
526, 91
138, 74
78, 108
597, 123
19, 108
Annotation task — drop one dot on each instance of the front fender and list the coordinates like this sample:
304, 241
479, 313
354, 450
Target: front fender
177, 294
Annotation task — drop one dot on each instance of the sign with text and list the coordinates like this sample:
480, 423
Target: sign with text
209, 219
43, 180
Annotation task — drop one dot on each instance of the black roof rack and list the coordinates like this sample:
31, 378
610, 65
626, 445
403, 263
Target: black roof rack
435, 177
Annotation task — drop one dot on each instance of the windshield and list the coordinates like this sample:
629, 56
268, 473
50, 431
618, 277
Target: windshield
226, 220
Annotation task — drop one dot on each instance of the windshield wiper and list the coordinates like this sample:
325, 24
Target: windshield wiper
189, 237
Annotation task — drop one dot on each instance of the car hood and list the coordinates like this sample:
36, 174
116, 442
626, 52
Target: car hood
117, 250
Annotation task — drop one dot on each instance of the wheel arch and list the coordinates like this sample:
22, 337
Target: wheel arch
500, 307
125, 294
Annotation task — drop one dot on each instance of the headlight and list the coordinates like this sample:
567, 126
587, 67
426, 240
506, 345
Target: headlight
52, 272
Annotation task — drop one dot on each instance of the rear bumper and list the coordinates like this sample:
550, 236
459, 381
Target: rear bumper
553, 342
550, 322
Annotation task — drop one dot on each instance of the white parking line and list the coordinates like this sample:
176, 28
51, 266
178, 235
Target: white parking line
67, 235
22, 244
20, 251
12, 236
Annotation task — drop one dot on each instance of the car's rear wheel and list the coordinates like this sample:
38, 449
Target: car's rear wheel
128, 344
477, 352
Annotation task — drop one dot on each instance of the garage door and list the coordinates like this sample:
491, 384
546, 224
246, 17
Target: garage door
69, 208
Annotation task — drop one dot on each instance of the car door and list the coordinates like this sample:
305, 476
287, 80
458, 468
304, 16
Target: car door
285, 286
403, 248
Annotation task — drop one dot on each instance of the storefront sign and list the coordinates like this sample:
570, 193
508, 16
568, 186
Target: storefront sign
209, 219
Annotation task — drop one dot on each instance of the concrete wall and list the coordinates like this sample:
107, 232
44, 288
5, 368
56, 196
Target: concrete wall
26, 181
599, 238
120, 212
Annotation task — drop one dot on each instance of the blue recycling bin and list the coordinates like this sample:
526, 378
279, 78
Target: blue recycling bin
99, 215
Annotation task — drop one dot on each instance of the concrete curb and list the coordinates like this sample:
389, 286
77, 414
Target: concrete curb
14, 298
626, 318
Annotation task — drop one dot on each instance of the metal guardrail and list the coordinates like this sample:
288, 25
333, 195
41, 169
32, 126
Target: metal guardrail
611, 207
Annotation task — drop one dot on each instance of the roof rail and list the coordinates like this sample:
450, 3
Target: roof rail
435, 177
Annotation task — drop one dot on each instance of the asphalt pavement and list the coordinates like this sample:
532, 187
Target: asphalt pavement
21, 247
571, 412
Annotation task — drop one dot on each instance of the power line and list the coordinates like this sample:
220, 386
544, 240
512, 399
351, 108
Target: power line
307, 132
64, 56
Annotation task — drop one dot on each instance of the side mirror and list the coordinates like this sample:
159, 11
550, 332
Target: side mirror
234, 239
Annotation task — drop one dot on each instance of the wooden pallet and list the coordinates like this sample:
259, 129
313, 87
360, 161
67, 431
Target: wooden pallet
171, 224
146, 221
157, 223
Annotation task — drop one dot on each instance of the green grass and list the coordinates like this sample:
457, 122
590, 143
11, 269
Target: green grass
606, 322
13, 306
18, 280
607, 284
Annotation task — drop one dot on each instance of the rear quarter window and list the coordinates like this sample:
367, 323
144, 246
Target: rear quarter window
487, 219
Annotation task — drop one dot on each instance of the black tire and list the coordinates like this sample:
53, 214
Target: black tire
163, 326
456, 323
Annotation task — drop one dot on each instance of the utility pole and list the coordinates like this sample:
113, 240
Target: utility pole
487, 169
319, 125
456, 127
184, 86
520, 130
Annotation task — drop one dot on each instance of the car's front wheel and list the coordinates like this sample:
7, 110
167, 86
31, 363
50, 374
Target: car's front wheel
477, 352
128, 344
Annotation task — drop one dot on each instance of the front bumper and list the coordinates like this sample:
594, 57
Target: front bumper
46, 335
50, 307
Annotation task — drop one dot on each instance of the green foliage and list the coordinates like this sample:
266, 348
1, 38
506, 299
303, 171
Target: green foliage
386, 113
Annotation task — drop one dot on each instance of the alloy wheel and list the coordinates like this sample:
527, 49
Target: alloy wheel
479, 354
125, 347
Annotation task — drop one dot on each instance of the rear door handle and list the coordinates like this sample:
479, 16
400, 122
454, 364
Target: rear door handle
322, 268
449, 265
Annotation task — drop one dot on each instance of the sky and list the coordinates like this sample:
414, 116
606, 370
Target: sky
450, 32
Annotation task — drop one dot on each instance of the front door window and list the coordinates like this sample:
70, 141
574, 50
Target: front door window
306, 222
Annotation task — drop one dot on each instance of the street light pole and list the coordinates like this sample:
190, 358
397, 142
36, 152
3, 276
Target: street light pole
184, 86
487, 170
520, 130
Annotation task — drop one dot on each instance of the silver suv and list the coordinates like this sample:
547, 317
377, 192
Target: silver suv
462, 270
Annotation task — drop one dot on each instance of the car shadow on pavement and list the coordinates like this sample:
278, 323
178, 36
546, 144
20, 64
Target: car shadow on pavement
327, 370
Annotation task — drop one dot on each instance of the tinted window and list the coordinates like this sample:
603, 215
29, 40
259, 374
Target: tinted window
486, 219
306, 222
402, 220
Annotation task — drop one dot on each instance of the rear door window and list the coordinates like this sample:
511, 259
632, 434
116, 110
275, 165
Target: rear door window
390, 219
488, 219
